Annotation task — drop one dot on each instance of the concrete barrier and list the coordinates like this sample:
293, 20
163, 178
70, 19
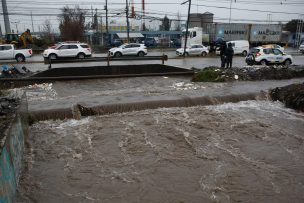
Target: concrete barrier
12, 150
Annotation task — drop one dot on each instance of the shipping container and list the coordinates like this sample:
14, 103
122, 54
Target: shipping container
229, 32
266, 33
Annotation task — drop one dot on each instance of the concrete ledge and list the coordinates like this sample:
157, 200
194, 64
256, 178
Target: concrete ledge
12, 150
82, 109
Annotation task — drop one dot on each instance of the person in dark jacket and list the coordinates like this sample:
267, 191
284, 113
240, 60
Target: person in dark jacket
222, 54
229, 55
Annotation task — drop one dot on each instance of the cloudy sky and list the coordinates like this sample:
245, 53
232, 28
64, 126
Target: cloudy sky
252, 11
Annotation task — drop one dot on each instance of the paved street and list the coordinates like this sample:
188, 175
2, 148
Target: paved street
188, 62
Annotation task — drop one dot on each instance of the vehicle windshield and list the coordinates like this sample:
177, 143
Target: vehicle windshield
57, 46
254, 51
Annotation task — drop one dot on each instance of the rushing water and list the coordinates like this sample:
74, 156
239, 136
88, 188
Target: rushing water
250, 151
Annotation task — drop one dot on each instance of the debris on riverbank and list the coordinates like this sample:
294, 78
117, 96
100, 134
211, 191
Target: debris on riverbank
292, 96
8, 106
248, 73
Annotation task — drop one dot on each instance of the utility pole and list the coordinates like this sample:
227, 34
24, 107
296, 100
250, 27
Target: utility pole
187, 26
128, 26
230, 10
6, 18
143, 16
101, 30
107, 29
32, 22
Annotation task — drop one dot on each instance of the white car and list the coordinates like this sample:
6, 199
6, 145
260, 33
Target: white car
63, 50
266, 56
274, 46
129, 49
301, 48
8, 51
198, 49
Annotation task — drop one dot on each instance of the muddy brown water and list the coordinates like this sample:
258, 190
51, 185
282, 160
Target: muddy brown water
251, 151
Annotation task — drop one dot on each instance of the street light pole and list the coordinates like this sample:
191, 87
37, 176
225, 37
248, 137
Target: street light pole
107, 29
230, 11
128, 28
187, 26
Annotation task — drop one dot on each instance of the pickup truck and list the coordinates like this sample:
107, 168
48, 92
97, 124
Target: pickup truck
8, 51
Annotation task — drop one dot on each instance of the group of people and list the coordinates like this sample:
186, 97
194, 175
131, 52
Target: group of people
226, 54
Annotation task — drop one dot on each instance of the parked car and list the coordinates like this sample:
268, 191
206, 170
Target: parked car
239, 47
150, 42
117, 43
197, 49
301, 48
74, 50
8, 51
274, 46
129, 49
266, 56
176, 42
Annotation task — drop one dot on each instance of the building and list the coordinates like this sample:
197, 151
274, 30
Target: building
201, 20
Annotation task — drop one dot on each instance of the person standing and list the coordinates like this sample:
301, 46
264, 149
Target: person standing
229, 55
222, 54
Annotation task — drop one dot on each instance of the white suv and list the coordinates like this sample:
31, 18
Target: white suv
265, 56
129, 49
301, 48
78, 50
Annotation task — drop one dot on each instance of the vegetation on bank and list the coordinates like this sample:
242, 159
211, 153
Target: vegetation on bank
250, 73
292, 96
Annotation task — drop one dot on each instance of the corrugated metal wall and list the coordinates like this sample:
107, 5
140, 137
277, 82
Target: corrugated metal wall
243, 31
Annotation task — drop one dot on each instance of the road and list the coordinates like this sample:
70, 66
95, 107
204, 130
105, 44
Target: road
188, 62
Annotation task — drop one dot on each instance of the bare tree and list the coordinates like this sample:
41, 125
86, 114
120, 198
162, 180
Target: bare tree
47, 32
178, 22
72, 24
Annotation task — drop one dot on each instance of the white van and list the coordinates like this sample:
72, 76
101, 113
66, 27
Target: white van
240, 47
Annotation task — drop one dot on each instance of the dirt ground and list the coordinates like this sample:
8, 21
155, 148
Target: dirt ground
248, 73
292, 96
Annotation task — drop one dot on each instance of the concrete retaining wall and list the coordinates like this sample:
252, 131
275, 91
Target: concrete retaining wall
11, 156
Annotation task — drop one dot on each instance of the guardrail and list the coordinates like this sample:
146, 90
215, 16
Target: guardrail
49, 62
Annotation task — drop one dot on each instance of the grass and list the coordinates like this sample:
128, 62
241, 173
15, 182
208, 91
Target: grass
210, 74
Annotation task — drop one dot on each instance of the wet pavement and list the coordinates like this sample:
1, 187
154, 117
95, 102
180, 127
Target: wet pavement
188, 62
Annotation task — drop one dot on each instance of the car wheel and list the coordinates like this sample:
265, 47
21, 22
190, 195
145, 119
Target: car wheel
244, 53
287, 62
81, 56
118, 54
263, 63
203, 53
20, 58
53, 56
141, 54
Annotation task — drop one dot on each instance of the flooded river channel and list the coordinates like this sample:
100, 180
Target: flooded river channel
250, 151
246, 152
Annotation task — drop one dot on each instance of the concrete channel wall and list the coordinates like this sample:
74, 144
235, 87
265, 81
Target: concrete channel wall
12, 150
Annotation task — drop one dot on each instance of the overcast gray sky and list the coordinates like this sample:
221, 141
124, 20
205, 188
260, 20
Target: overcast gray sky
252, 11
